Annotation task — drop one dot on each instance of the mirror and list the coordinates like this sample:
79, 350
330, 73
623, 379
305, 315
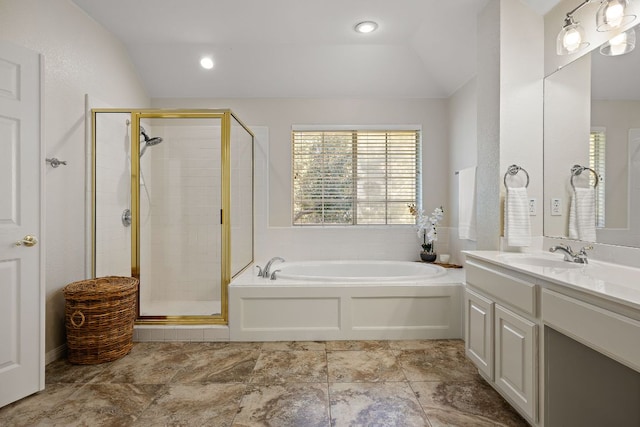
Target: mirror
592, 119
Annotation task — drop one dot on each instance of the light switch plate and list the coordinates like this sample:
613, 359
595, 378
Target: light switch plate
533, 206
556, 206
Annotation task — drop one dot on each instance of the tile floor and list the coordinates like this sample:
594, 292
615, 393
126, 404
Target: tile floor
334, 383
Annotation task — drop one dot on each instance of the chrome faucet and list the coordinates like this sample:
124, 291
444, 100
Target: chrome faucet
570, 256
265, 272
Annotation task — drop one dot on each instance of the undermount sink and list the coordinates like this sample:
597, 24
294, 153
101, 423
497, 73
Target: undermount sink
539, 260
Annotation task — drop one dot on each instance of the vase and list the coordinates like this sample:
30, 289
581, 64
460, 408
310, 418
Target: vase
428, 256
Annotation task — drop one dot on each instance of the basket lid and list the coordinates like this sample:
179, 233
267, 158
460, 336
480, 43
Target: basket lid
101, 285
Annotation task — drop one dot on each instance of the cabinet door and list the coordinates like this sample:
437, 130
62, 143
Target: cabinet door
478, 331
516, 359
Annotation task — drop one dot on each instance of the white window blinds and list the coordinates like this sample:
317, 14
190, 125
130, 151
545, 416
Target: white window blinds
597, 145
355, 177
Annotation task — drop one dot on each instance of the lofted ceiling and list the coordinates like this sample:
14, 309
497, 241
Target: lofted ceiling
297, 48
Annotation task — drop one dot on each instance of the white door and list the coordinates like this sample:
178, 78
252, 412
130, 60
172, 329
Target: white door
21, 290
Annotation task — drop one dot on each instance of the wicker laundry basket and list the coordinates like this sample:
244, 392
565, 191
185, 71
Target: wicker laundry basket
99, 316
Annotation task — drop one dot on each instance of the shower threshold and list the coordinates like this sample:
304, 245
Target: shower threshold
180, 308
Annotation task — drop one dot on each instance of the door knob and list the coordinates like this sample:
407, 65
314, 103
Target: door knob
27, 240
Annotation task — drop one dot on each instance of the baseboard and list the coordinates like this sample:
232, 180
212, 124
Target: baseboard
55, 354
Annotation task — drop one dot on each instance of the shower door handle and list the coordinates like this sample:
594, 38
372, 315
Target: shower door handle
28, 240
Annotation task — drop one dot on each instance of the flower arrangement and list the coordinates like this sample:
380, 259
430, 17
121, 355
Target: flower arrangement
427, 226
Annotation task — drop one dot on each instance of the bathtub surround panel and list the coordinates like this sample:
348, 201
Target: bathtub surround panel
281, 311
401, 312
273, 310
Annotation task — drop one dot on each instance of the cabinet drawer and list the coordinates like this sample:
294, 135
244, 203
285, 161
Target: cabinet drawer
515, 292
609, 333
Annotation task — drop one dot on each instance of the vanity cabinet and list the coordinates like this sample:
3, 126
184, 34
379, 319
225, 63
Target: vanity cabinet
559, 342
501, 333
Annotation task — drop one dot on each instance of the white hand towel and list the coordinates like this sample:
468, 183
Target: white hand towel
582, 214
573, 223
467, 204
517, 226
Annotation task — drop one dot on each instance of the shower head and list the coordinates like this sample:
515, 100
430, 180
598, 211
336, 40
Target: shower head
148, 141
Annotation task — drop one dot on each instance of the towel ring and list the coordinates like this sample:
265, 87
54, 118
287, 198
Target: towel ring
513, 170
577, 170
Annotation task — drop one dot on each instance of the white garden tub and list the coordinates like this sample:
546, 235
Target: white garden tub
347, 300
363, 272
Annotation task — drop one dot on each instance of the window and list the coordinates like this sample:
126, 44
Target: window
355, 177
597, 143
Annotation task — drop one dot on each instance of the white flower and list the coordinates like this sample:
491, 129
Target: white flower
427, 225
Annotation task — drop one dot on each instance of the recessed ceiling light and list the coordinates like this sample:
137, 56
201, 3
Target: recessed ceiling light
366, 27
206, 63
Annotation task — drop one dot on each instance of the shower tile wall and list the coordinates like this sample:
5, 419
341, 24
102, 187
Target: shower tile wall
113, 239
183, 225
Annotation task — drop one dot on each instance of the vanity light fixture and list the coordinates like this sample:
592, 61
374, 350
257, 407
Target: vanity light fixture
571, 36
206, 62
366, 27
611, 15
623, 43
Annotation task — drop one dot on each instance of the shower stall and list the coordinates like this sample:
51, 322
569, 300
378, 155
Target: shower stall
172, 205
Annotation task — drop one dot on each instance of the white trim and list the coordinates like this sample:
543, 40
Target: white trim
43, 239
379, 127
55, 354
88, 190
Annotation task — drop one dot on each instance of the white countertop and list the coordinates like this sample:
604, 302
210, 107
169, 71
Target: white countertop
613, 282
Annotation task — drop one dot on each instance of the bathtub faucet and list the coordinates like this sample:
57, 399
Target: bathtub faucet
265, 272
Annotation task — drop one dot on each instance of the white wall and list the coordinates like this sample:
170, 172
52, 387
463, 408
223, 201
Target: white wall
488, 173
80, 57
463, 153
510, 72
521, 99
617, 117
278, 115
567, 127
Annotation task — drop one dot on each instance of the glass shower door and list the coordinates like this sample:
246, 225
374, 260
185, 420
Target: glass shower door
179, 217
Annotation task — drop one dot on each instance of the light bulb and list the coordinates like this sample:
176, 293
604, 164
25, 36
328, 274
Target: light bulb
572, 40
206, 63
366, 27
614, 13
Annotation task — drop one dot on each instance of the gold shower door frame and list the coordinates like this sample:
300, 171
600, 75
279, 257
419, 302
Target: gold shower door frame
225, 116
